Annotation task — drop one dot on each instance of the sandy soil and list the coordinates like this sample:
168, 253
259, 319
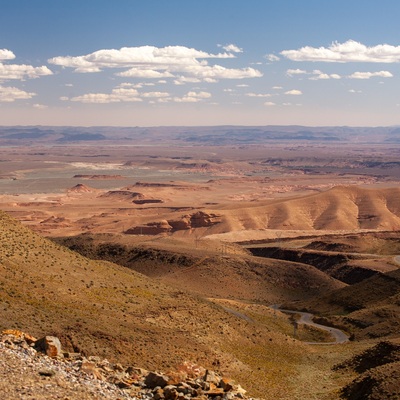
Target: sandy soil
254, 192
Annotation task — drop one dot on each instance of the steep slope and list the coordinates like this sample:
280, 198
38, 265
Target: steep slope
370, 309
340, 208
103, 309
210, 273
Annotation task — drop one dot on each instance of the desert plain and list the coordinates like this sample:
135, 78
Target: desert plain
183, 238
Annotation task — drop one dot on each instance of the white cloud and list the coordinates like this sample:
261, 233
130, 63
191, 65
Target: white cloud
350, 51
6, 54
119, 94
269, 104
258, 94
291, 72
15, 71
355, 91
126, 93
155, 94
368, 75
19, 72
277, 87
316, 74
135, 56
193, 97
154, 63
145, 73
10, 94
272, 57
210, 80
69, 85
200, 95
294, 92
40, 106
219, 72
64, 98
232, 48
319, 75
182, 80
242, 85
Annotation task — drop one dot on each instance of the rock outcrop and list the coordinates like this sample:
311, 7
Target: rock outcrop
81, 188
199, 219
46, 366
152, 228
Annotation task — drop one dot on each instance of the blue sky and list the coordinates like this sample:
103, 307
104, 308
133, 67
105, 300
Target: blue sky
186, 62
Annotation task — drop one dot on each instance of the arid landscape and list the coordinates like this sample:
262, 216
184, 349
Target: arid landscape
159, 247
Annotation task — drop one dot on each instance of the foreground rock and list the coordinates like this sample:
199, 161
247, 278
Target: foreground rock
31, 368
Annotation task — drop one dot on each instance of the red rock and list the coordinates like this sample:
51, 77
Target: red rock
50, 345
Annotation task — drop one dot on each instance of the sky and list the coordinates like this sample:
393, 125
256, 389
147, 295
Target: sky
200, 62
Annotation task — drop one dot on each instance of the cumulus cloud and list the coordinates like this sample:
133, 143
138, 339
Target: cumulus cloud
40, 106
155, 63
6, 54
134, 56
368, 75
145, 73
294, 92
217, 72
119, 94
183, 80
315, 75
291, 72
193, 97
155, 94
258, 94
272, 57
128, 93
319, 75
10, 94
350, 51
269, 103
232, 48
19, 72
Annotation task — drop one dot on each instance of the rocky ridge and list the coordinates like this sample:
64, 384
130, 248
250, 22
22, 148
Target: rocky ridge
199, 219
32, 368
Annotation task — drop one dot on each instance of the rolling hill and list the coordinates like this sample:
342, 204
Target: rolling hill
100, 308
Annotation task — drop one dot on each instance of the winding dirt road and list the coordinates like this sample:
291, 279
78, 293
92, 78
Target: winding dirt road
306, 319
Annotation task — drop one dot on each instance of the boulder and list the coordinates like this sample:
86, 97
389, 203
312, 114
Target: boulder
154, 379
50, 345
212, 377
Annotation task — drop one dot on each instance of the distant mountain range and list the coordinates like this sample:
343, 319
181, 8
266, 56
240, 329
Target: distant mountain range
212, 135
